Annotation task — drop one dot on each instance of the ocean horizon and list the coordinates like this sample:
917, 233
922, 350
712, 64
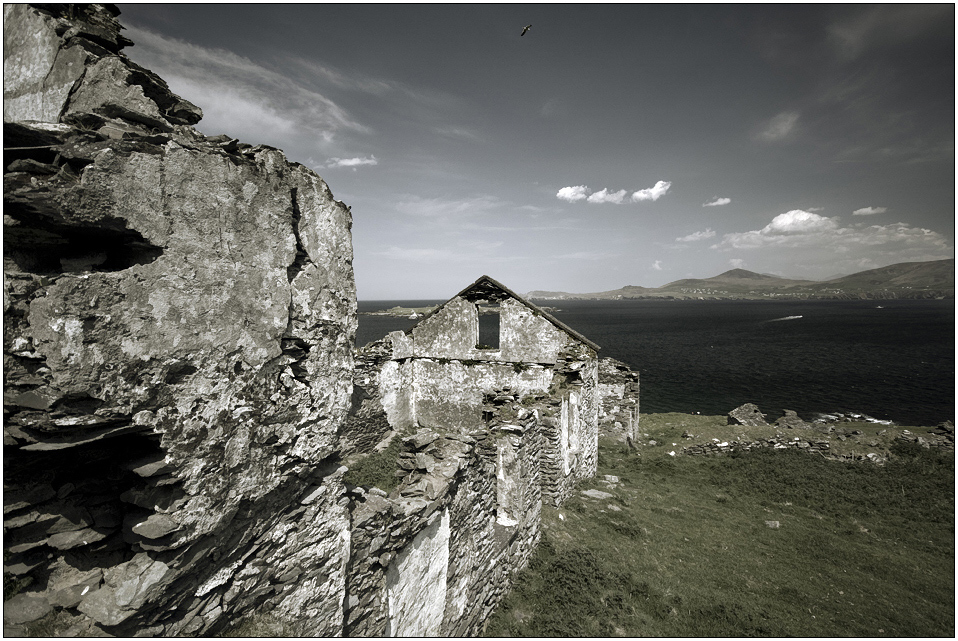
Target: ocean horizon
891, 360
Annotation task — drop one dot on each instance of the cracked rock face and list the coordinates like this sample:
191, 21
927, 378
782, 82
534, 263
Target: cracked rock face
179, 312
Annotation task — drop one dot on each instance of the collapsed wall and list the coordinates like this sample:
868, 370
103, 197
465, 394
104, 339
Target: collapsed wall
179, 312
436, 555
619, 401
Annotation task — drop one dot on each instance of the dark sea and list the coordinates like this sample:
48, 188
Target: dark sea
889, 360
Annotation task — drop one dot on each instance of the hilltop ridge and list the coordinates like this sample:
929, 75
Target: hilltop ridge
928, 279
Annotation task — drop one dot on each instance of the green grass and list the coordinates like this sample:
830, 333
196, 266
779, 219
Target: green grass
377, 469
683, 548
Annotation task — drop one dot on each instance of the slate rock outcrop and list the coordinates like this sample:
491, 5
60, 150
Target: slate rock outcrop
179, 312
747, 414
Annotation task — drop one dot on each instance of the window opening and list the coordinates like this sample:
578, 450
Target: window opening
488, 327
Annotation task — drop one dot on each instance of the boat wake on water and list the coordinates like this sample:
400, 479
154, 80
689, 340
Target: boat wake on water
783, 318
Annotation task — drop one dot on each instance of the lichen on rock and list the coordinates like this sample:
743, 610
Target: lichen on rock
179, 313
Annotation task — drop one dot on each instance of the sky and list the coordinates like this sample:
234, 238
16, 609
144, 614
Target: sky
610, 145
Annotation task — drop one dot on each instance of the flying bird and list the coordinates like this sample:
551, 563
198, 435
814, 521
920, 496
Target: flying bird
524, 29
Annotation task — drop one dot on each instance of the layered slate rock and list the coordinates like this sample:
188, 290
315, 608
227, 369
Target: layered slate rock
179, 312
747, 414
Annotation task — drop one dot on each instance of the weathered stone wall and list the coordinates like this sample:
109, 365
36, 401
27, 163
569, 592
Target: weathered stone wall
179, 312
450, 392
618, 392
436, 555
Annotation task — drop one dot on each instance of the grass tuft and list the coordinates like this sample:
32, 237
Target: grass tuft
377, 469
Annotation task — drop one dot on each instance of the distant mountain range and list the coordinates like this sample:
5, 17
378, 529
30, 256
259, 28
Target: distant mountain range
932, 279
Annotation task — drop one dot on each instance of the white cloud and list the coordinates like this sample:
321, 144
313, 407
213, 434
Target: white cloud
657, 265
869, 211
581, 192
822, 244
605, 196
718, 202
652, 193
779, 127
572, 194
699, 235
792, 228
351, 162
737, 263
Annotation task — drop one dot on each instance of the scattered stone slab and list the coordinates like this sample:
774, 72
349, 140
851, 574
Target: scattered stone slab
421, 438
156, 527
75, 539
597, 494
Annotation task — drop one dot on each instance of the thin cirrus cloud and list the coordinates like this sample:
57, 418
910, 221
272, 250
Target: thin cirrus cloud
240, 96
699, 235
869, 211
717, 202
581, 192
779, 127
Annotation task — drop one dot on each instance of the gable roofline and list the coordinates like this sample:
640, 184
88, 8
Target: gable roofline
535, 308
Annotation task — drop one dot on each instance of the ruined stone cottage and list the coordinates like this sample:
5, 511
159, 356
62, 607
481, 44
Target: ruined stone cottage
181, 397
439, 373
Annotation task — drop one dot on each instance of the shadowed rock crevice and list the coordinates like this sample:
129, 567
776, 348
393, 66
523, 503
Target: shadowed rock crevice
44, 247
301, 258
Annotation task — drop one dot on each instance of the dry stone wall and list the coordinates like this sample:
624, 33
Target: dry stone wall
435, 556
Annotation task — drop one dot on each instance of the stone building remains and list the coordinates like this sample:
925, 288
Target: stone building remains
182, 400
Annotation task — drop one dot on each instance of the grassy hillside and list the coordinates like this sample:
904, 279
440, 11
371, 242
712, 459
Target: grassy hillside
931, 279
764, 543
